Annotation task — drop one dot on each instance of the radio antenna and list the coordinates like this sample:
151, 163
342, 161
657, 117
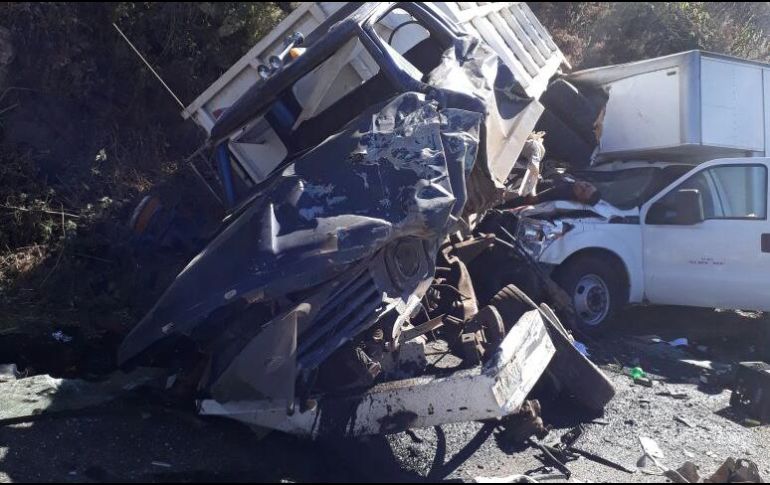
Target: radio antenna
184, 108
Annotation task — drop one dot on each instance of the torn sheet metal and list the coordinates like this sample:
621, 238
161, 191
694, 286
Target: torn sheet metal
472, 68
569, 209
387, 181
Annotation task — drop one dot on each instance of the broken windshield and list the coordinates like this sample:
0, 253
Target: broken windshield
629, 188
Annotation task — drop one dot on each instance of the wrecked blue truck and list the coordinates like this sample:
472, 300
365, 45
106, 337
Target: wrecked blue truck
350, 290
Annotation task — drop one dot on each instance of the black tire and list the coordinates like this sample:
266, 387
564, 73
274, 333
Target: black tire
573, 108
562, 142
598, 290
511, 303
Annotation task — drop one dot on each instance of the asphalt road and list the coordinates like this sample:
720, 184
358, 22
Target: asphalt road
138, 441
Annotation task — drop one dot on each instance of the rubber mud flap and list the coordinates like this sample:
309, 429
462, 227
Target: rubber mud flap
576, 373
581, 377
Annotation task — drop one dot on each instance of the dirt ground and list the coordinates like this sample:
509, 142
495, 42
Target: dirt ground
142, 441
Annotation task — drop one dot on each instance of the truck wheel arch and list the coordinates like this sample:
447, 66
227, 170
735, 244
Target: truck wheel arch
604, 254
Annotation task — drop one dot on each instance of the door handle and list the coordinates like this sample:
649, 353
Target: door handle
766, 243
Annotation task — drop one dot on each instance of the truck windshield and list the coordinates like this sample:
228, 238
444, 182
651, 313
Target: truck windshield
629, 188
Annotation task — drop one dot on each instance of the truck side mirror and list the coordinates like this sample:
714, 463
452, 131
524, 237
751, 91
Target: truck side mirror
689, 207
683, 207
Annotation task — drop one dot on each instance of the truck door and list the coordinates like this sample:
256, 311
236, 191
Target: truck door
706, 238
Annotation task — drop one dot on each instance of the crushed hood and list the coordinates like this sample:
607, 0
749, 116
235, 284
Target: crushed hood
392, 173
568, 209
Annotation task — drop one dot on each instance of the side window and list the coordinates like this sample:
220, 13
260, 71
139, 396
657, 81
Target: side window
702, 182
742, 191
411, 43
726, 192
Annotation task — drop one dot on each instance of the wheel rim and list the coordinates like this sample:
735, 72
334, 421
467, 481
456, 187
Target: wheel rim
591, 299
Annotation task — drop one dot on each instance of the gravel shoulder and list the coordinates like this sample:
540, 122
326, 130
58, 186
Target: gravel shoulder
139, 441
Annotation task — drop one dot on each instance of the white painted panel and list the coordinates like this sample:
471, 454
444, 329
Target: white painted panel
732, 111
766, 93
643, 112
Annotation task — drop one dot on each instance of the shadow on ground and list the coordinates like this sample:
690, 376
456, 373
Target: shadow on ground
714, 340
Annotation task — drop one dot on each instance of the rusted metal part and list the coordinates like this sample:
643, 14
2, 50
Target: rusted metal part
551, 459
528, 422
422, 329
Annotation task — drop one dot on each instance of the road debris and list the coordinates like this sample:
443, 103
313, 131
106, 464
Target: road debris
640, 377
652, 454
751, 390
61, 337
508, 479
527, 422
736, 471
549, 458
684, 421
687, 473
600, 459
731, 471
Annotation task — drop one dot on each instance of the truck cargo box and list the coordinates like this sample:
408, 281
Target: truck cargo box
509, 28
692, 106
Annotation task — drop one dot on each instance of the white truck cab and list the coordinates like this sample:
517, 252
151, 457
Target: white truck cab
702, 239
681, 166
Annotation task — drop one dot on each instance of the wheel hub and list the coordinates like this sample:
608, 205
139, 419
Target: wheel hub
591, 299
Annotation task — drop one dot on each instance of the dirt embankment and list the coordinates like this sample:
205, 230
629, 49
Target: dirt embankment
85, 132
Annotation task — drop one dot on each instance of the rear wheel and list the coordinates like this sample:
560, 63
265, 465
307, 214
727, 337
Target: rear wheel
597, 288
511, 303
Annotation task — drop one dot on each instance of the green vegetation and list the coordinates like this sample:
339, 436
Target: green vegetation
600, 33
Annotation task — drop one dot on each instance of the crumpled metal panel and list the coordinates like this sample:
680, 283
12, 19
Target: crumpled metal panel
473, 69
387, 176
348, 233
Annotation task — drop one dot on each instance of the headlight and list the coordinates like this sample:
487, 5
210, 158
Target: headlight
536, 235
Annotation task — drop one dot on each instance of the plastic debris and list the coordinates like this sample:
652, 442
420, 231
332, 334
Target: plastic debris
61, 337
581, 347
680, 342
637, 373
651, 448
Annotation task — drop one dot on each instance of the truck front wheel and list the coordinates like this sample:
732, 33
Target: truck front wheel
597, 289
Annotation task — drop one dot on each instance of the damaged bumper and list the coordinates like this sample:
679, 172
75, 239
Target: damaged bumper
493, 390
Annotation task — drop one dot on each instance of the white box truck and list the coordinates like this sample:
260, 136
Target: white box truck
683, 171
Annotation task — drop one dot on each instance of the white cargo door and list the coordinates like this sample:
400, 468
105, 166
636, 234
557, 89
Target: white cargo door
643, 112
731, 107
723, 261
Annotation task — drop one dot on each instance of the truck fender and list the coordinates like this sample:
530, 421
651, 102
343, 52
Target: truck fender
583, 241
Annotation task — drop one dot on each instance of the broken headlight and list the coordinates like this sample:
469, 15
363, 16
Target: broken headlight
536, 235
